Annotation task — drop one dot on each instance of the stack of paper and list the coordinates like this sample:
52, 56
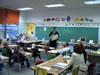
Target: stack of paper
54, 37
60, 65
2, 57
53, 51
47, 68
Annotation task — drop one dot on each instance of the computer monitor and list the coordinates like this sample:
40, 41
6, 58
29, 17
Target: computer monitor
83, 39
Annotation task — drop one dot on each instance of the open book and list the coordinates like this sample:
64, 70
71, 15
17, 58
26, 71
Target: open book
54, 37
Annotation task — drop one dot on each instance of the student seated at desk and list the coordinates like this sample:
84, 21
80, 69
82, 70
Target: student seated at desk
77, 59
64, 48
6, 51
8, 42
36, 52
1, 45
84, 52
1, 65
20, 52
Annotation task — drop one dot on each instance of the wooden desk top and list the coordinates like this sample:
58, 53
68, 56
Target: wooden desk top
43, 46
94, 54
41, 50
4, 59
33, 41
51, 63
28, 55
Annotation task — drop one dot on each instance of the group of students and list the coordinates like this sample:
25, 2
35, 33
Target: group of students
16, 55
79, 58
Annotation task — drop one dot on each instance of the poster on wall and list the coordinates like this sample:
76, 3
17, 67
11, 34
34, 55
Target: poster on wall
30, 30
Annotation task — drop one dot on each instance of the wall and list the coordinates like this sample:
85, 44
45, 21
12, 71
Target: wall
22, 23
36, 16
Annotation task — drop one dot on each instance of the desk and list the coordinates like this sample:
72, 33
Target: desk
33, 41
28, 55
43, 46
59, 50
13, 46
41, 50
51, 63
54, 51
25, 43
93, 56
4, 59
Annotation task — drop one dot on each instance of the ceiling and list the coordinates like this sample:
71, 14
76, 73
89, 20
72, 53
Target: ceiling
39, 4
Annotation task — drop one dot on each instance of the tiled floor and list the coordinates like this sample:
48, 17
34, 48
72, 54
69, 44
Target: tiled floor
15, 70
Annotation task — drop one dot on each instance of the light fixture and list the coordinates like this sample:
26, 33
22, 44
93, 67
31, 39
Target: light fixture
92, 2
54, 5
27, 8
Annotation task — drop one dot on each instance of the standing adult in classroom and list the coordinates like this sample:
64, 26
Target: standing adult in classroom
54, 36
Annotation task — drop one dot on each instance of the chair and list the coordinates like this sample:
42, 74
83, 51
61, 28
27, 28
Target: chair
75, 70
38, 62
40, 71
91, 67
36, 53
16, 59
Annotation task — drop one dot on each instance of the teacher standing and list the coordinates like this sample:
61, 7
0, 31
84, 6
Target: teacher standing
54, 36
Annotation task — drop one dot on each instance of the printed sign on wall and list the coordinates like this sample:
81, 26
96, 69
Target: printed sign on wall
30, 30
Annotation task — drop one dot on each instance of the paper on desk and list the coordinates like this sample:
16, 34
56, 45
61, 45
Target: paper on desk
47, 68
66, 57
2, 57
43, 63
59, 66
62, 64
53, 51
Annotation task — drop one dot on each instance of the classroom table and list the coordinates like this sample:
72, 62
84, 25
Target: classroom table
44, 46
28, 55
51, 63
33, 41
4, 59
13, 46
26, 43
40, 49
93, 56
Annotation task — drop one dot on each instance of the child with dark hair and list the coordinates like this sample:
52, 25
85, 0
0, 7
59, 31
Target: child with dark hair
21, 56
36, 52
77, 59
84, 52
8, 42
1, 45
6, 51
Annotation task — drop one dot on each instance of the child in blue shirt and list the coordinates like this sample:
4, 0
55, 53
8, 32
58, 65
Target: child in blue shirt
21, 56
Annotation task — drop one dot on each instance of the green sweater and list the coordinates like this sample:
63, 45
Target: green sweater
6, 52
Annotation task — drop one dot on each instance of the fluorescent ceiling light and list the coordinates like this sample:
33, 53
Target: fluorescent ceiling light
27, 8
92, 2
54, 5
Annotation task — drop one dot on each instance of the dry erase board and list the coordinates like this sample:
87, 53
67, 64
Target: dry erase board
67, 33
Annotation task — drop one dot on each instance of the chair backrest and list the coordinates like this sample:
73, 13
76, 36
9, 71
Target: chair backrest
40, 71
38, 62
75, 70
91, 67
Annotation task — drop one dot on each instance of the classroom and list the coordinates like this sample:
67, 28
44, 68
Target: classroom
49, 37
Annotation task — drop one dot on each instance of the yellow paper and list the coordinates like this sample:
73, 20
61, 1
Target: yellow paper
30, 30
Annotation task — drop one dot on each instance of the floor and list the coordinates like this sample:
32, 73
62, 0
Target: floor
18, 70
